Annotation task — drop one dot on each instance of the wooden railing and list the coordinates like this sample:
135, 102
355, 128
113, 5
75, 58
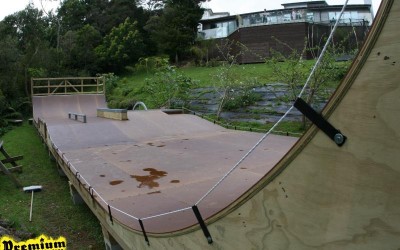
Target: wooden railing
67, 86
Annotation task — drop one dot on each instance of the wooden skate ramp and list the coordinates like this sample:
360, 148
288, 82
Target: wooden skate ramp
154, 163
319, 196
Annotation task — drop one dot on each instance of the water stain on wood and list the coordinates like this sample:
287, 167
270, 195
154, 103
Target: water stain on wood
116, 182
150, 179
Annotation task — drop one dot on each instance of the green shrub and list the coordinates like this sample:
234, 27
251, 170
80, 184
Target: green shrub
168, 88
111, 82
151, 63
122, 103
244, 99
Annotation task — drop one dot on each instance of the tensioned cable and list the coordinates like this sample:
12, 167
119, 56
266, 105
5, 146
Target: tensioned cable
286, 113
167, 213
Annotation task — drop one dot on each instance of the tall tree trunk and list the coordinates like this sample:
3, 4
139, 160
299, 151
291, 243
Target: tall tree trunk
176, 58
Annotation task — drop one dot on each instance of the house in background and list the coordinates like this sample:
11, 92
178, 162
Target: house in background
287, 28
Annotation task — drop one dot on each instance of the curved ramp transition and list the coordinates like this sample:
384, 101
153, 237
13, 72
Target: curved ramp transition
154, 163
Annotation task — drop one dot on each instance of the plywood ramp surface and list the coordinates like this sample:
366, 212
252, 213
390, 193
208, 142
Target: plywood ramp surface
155, 163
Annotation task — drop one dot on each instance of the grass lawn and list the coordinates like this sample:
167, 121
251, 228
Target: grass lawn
130, 86
204, 76
54, 214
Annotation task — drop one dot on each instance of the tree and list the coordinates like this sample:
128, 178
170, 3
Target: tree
122, 46
29, 28
97, 16
72, 14
293, 71
169, 88
201, 50
10, 67
234, 92
175, 29
152, 5
119, 10
79, 49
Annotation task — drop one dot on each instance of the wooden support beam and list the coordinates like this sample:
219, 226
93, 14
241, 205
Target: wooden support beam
10, 160
12, 177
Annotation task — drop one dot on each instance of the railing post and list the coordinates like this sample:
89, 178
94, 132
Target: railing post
31, 86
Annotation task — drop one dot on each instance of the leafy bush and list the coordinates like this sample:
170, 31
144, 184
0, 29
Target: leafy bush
6, 113
243, 98
124, 45
214, 62
151, 63
168, 88
122, 104
22, 106
111, 82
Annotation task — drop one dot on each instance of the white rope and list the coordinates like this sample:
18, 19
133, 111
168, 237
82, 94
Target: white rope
287, 112
122, 212
167, 213
101, 198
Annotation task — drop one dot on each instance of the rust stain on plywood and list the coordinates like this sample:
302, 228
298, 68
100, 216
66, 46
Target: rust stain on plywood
150, 179
116, 182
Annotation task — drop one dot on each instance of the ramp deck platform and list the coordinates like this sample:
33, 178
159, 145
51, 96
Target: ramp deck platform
155, 163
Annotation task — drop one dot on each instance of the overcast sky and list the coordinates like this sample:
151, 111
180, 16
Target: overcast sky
8, 7
232, 6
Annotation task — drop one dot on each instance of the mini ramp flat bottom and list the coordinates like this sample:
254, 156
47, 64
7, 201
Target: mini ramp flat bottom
156, 163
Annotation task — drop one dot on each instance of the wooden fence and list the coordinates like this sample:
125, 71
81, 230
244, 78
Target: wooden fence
67, 86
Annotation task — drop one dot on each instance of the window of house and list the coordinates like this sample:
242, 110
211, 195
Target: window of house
354, 15
333, 15
231, 27
310, 16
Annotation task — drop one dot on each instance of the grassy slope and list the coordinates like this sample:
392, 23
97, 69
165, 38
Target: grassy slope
54, 214
129, 86
203, 75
